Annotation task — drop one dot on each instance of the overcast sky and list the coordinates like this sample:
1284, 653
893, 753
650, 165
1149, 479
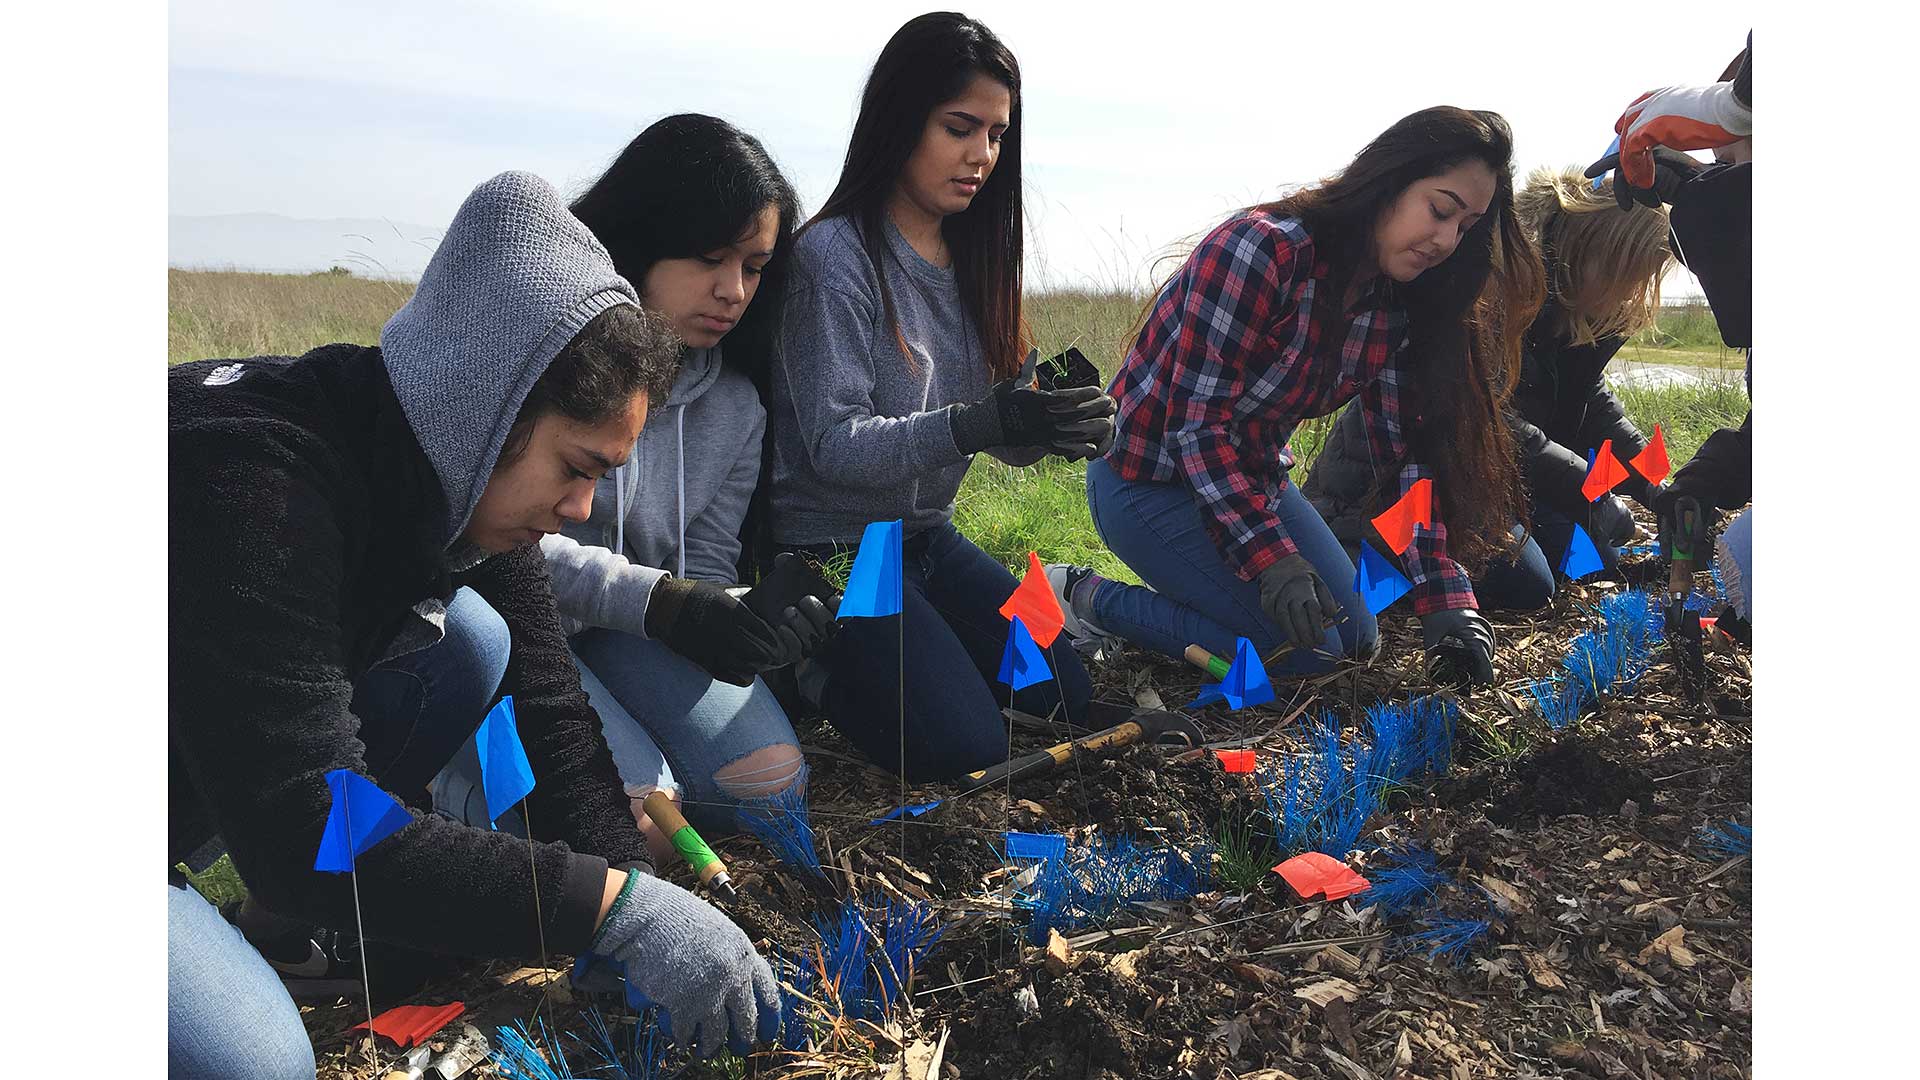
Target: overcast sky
1142, 128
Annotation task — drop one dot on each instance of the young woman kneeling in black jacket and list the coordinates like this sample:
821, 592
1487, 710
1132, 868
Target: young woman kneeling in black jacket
354, 579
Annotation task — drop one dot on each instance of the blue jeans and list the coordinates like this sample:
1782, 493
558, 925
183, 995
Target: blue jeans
954, 636
227, 1012
1526, 581
1192, 596
669, 723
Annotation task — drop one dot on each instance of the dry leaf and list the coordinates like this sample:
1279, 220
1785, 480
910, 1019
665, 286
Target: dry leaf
1233, 1033
1124, 964
1327, 990
1505, 897
1740, 999
1542, 972
1614, 854
1254, 973
1671, 946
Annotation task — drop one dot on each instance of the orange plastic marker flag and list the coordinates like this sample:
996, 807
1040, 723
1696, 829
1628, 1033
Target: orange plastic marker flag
1034, 603
1238, 762
1414, 508
1605, 472
1311, 872
1652, 462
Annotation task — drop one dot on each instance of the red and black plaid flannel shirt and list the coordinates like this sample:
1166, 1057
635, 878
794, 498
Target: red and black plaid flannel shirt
1242, 344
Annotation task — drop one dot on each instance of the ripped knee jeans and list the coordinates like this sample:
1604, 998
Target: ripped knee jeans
724, 748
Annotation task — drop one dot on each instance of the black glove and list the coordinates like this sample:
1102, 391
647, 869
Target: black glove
1686, 526
1459, 647
1013, 414
702, 622
1298, 602
798, 603
1671, 170
1091, 436
1611, 521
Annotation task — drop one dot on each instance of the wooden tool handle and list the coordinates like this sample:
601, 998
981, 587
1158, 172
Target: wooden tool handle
668, 819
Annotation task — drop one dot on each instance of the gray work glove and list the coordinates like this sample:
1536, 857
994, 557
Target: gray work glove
1298, 602
679, 953
1459, 647
1610, 521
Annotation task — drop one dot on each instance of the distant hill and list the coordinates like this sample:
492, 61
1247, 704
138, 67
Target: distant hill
370, 247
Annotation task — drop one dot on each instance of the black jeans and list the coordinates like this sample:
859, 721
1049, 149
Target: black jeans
954, 637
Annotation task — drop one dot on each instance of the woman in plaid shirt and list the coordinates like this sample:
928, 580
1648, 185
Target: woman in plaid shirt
1404, 281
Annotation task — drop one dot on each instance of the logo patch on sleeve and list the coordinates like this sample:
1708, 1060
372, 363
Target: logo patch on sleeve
224, 375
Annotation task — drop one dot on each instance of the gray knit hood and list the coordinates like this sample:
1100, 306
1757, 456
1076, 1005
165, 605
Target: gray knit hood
514, 279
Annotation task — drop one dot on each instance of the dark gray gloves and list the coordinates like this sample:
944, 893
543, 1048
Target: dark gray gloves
1298, 602
1459, 647
1686, 526
1075, 422
1671, 170
798, 603
683, 955
702, 622
1610, 520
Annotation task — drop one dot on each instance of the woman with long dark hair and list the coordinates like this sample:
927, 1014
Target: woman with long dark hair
1404, 281
1603, 286
697, 216
900, 359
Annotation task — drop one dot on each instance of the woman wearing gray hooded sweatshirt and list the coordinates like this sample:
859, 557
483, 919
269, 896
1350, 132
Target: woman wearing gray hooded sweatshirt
353, 580
695, 213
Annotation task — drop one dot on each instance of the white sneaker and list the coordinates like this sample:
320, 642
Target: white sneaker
1061, 578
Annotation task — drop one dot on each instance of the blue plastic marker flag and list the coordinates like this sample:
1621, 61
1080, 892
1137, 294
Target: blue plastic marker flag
1377, 581
1246, 682
375, 816
1582, 558
1611, 147
873, 588
505, 772
1023, 663
1027, 845
906, 811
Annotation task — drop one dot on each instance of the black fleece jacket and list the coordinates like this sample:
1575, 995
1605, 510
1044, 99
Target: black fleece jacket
304, 524
1712, 224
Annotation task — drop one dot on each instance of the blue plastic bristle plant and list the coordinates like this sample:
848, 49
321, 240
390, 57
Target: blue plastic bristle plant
1730, 839
1093, 883
518, 1054
782, 823
1282, 795
910, 934
1408, 884
848, 972
797, 1015
1395, 751
1591, 665
1449, 938
1558, 700
643, 1058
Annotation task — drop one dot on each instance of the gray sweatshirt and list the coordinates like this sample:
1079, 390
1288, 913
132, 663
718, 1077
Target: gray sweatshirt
860, 432
667, 510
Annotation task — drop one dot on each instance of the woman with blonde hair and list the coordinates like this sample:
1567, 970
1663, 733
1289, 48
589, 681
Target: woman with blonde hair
1603, 286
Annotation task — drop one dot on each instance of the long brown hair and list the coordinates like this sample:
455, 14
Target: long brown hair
930, 60
1604, 267
1467, 316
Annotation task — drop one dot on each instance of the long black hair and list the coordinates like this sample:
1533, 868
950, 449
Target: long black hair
686, 186
930, 60
1467, 316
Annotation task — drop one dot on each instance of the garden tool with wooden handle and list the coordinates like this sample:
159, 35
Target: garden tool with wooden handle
1146, 726
667, 818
